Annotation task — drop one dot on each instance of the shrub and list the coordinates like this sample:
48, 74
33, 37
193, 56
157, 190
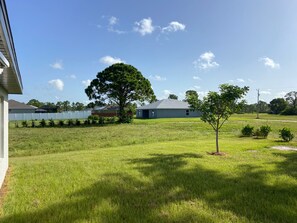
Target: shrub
24, 123
111, 120
33, 124
87, 122
289, 111
101, 120
51, 123
16, 124
61, 123
286, 134
77, 122
247, 130
42, 123
265, 130
93, 122
70, 122
93, 117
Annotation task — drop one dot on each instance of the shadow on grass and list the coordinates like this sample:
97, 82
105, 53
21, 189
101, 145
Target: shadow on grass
167, 179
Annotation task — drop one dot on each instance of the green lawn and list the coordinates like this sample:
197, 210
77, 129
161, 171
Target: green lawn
151, 171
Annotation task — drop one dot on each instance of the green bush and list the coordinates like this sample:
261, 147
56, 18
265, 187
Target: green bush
24, 123
42, 123
93, 117
101, 120
77, 122
61, 123
111, 120
70, 122
289, 111
87, 122
16, 124
247, 130
51, 123
286, 134
33, 124
263, 131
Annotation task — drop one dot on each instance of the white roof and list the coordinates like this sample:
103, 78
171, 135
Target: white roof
166, 104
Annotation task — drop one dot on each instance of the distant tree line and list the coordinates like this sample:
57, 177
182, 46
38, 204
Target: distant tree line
61, 106
283, 106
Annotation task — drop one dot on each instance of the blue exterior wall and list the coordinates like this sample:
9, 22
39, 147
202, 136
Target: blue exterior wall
168, 113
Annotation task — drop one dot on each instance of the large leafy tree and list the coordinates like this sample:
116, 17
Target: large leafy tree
217, 107
193, 99
173, 96
277, 105
35, 103
291, 98
121, 84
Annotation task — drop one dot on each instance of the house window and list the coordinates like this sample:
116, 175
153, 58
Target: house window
187, 112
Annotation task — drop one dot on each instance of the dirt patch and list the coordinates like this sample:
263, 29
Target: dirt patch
284, 148
216, 153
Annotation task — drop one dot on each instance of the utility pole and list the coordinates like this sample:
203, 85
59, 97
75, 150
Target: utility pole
258, 105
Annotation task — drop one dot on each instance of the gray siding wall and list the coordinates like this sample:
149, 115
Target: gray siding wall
168, 113
13, 111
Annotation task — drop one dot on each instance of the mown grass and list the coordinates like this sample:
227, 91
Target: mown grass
151, 171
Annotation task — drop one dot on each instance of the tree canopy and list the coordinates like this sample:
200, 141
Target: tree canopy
121, 84
173, 96
291, 98
193, 99
277, 105
217, 107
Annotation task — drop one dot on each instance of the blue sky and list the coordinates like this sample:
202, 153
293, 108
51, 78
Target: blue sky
177, 45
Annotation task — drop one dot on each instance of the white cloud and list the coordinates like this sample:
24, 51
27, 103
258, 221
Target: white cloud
196, 78
57, 65
265, 92
157, 78
268, 62
72, 76
86, 83
144, 26
197, 87
167, 92
113, 20
108, 60
174, 26
250, 80
57, 83
206, 61
240, 80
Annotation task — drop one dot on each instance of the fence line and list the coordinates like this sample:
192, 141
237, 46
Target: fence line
47, 116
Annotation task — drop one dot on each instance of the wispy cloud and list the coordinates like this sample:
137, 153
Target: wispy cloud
57, 84
72, 76
196, 78
268, 62
240, 80
86, 83
157, 78
144, 26
57, 65
109, 60
112, 22
265, 92
206, 61
174, 26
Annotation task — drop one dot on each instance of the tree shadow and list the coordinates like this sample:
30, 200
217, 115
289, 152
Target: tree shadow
167, 179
